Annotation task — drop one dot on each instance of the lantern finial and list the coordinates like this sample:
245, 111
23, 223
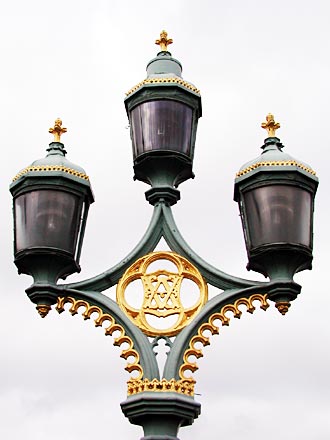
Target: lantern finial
163, 42
270, 125
57, 130
43, 309
282, 306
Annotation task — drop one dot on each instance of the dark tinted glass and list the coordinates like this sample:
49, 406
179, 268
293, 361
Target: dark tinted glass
279, 214
161, 125
47, 218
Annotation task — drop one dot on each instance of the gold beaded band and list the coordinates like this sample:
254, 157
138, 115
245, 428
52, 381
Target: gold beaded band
275, 164
173, 80
51, 168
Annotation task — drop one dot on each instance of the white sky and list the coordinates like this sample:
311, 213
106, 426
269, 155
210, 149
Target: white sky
266, 376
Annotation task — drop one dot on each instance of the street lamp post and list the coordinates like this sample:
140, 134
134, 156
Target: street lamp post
275, 194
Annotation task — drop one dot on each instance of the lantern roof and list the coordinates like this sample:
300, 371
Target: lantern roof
55, 164
273, 158
164, 70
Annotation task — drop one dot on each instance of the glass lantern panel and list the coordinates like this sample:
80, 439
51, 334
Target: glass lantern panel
47, 218
161, 125
278, 214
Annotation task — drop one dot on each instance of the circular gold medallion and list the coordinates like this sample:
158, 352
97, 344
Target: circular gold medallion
169, 298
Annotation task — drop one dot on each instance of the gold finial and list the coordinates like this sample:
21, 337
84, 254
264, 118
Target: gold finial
43, 309
57, 130
282, 306
163, 42
270, 125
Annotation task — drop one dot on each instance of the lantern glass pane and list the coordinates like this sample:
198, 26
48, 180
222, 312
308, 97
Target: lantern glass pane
278, 214
47, 218
161, 125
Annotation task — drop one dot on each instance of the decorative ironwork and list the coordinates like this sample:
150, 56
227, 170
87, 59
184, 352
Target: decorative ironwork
270, 125
57, 130
163, 42
166, 339
200, 337
43, 309
162, 293
42, 168
185, 386
109, 330
170, 80
281, 163
283, 306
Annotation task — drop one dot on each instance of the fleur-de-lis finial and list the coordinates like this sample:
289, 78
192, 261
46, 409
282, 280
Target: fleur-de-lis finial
270, 125
163, 42
57, 130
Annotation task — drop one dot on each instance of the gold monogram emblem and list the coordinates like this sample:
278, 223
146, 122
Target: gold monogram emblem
162, 294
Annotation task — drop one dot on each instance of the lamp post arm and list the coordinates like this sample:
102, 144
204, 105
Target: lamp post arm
212, 275
140, 343
111, 276
183, 348
162, 224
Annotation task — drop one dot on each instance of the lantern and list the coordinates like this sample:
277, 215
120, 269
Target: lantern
51, 202
275, 193
163, 112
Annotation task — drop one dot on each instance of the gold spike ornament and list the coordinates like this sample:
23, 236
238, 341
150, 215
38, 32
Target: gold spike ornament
57, 130
163, 42
283, 307
43, 309
270, 125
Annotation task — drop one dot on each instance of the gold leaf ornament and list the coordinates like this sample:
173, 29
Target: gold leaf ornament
112, 326
193, 352
161, 293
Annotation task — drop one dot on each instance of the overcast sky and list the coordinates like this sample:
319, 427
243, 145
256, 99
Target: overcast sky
266, 376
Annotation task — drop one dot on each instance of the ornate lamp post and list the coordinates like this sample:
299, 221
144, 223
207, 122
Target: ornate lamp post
275, 194
51, 202
163, 111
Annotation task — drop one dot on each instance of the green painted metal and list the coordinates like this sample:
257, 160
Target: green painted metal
141, 342
278, 261
212, 275
165, 169
274, 290
181, 343
54, 172
160, 414
55, 158
162, 64
162, 224
111, 276
273, 152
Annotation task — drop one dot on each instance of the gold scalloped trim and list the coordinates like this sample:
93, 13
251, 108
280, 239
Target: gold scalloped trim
211, 327
51, 168
109, 330
174, 80
292, 163
154, 302
185, 386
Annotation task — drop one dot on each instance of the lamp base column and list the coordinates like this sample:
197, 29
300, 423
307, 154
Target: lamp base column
161, 414
159, 437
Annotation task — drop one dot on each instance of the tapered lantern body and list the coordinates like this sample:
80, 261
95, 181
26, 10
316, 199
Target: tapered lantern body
51, 202
278, 213
47, 218
161, 125
276, 198
163, 112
